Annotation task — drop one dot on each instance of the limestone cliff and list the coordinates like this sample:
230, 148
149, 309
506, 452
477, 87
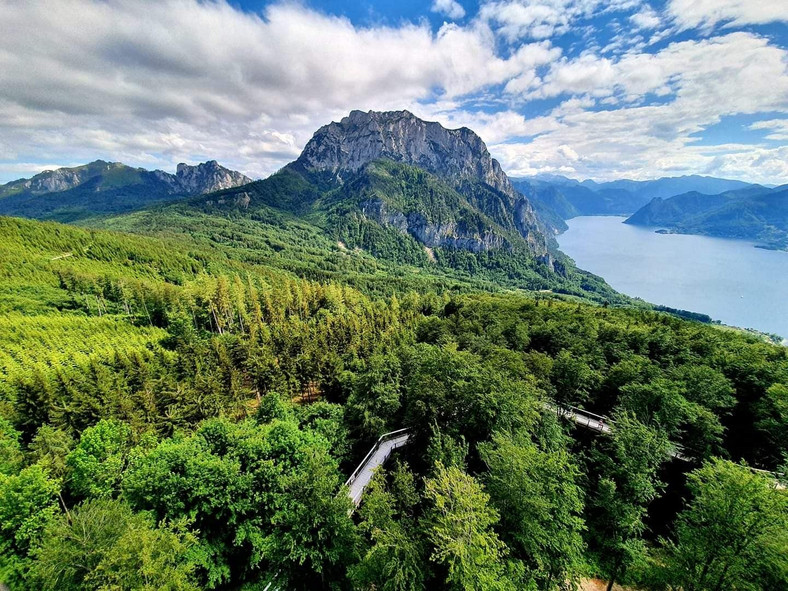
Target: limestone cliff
458, 156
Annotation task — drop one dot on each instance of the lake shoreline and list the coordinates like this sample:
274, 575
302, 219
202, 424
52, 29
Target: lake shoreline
727, 279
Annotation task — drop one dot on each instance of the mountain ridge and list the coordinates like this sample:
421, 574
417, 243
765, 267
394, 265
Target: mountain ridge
755, 213
377, 202
561, 198
98, 187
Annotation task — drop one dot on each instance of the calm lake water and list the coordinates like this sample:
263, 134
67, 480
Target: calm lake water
730, 280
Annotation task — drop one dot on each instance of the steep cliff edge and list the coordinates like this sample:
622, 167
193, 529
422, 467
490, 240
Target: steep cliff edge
344, 150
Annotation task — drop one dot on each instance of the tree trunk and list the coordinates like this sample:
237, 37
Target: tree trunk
613, 576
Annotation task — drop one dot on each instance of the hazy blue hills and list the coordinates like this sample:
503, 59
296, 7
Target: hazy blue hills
754, 213
70, 194
561, 198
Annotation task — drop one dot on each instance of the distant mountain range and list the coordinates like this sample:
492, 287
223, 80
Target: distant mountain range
416, 197
754, 213
70, 194
558, 198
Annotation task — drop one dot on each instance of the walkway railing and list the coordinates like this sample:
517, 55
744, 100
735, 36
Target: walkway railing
381, 440
377, 456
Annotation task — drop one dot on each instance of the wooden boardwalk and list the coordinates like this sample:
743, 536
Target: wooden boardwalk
376, 457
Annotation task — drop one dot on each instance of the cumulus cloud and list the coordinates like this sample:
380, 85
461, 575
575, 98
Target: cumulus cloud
154, 83
700, 81
450, 8
541, 19
708, 13
735, 73
178, 78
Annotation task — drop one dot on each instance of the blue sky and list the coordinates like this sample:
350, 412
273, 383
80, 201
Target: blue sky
586, 88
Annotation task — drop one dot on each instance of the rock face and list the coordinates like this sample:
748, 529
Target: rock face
455, 155
68, 194
431, 235
188, 180
208, 177
401, 136
62, 179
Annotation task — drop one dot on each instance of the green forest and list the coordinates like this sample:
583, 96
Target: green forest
180, 409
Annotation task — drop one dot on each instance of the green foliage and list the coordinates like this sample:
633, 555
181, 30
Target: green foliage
444, 450
375, 395
732, 535
96, 465
322, 229
540, 504
195, 379
103, 188
573, 378
27, 504
463, 395
103, 545
50, 448
628, 482
11, 456
396, 555
263, 497
460, 529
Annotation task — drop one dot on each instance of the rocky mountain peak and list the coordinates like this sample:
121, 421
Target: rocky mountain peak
455, 155
208, 177
62, 179
362, 137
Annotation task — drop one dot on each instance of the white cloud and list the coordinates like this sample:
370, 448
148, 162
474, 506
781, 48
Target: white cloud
496, 127
155, 83
180, 79
701, 80
689, 14
450, 8
735, 73
541, 19
778, 129
647, 18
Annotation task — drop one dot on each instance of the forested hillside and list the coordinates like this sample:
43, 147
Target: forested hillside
71, 194
756, 213
387, 225
180, 412
559, 198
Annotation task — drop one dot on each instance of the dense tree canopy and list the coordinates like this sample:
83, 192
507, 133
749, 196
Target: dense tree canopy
182, 416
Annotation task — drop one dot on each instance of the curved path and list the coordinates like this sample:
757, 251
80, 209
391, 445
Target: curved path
377, 456
387, 443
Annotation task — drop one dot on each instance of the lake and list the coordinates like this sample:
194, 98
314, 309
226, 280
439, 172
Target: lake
730, 280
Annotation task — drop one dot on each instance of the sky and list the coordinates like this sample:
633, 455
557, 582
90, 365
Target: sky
584, 88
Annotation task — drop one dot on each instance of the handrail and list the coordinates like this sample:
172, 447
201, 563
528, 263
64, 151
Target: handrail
585, 412
382, 439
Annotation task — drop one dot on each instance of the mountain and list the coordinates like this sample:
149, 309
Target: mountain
69, 194
669, 186
476, 208
385, 187
555, 196
374, 174
754, 213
